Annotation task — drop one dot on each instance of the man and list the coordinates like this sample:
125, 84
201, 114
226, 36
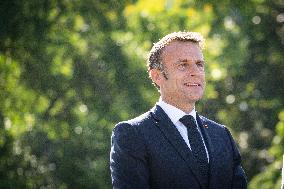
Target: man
172, 146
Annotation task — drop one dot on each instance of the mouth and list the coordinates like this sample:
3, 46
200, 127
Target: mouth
192, 84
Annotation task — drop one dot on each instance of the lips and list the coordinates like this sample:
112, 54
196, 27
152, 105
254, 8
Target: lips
192, 84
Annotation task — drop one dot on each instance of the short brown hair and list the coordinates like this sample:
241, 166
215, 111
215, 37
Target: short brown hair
155, 60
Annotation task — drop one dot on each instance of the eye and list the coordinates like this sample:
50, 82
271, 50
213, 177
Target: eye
182, 66
200, 64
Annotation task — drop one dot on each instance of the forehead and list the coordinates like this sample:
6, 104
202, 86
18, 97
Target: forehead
182, 50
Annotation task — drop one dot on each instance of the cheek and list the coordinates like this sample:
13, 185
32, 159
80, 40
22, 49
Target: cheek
202, 77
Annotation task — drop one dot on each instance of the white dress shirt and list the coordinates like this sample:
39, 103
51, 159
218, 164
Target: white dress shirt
175, 114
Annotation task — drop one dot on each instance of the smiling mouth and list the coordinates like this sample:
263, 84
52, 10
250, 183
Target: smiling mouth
192, 84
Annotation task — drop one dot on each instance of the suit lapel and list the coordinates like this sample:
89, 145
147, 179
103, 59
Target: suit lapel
203, 127
169, 130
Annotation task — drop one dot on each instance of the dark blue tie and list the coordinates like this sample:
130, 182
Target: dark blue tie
196, 144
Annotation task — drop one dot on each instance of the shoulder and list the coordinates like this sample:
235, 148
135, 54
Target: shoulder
211, 123
135, 123
213, 126
129, 134
216, 130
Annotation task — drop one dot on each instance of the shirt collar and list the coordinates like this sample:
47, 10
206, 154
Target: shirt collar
173, 112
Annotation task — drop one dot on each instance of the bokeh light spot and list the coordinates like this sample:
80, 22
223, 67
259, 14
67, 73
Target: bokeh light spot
256, 19
280, 18
78, 130
230, 99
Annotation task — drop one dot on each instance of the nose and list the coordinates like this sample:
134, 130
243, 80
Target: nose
194, 70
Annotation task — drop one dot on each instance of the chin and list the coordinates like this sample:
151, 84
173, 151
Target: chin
194, 99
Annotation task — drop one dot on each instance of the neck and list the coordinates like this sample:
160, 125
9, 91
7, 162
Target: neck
186, 107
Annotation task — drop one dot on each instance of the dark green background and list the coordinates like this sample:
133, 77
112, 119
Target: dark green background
70, 70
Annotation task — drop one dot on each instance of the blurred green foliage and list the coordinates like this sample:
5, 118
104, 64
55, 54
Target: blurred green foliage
69, 70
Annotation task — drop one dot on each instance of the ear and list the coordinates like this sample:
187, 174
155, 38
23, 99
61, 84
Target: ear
156, 76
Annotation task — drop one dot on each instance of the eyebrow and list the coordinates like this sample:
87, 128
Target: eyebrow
186, 60
201, 61
181, 60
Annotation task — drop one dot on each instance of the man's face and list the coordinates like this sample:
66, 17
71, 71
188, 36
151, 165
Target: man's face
184, 70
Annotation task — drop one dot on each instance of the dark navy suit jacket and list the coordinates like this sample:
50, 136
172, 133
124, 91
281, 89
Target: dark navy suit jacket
148, 152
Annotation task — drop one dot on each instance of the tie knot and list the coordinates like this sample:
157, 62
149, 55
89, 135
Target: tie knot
188, 120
